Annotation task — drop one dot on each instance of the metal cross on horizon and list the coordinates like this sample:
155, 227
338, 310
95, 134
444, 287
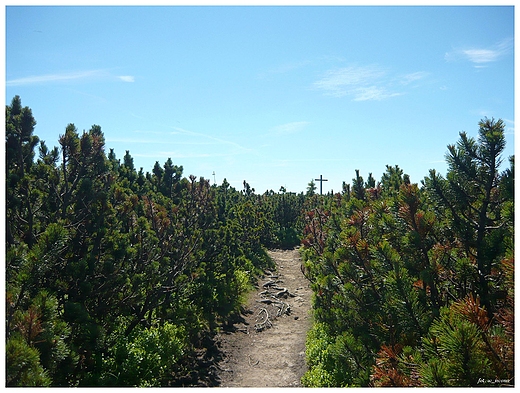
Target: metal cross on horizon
321, 180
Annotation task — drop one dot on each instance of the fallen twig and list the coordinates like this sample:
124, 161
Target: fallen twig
266, 323
284, 309
249, 359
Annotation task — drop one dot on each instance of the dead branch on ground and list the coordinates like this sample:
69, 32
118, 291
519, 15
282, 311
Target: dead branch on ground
265, 324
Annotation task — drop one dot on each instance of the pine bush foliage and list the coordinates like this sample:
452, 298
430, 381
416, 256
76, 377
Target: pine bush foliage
117, 277
417, 280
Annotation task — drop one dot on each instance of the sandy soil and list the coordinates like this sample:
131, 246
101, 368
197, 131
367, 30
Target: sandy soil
266, 347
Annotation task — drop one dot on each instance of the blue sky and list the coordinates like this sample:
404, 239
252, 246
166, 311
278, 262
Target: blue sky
275, 96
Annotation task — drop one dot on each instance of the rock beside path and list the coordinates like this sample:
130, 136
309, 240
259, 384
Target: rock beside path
266, 348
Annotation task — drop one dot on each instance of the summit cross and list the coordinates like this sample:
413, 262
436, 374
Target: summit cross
321, 180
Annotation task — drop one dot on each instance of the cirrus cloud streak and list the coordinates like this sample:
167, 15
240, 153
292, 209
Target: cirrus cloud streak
88, 75
481, 56
365, 83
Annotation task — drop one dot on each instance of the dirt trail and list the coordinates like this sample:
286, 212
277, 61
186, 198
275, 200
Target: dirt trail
262, 352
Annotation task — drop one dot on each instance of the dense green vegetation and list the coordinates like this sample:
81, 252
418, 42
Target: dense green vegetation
414, 286
117, 277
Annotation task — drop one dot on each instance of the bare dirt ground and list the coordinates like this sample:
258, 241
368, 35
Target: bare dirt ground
266, 347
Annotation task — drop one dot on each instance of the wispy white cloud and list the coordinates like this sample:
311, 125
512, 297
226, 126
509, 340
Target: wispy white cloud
373, 93
346, 81
510, 127
67, 76
412, 77
234, 148
87, 75
161, 141
365, 83
150, 132
195, 145
131, 140
175, 155
127, 78
481, 56
288, 128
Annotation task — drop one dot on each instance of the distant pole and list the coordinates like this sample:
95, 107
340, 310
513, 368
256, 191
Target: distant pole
321, 180
214, 181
